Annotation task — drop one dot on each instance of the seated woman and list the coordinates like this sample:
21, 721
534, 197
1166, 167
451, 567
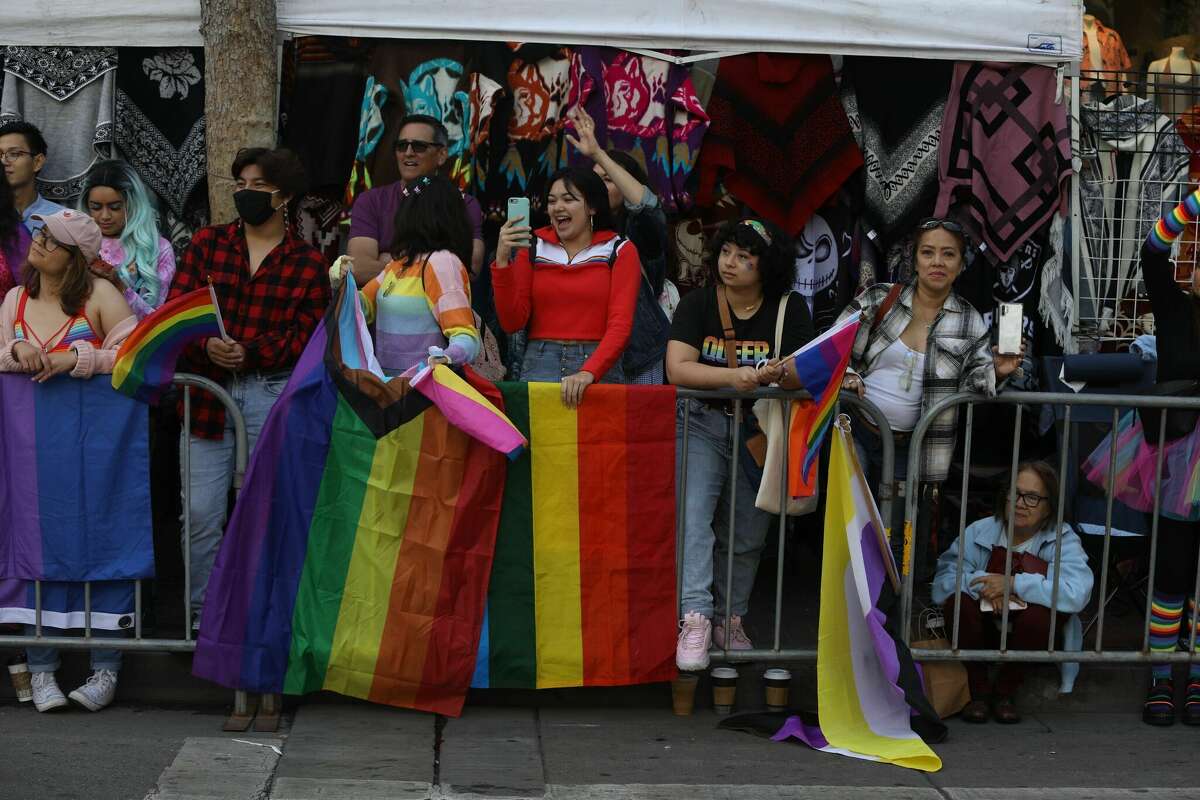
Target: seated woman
64, 320
1030, 587
421, 302
575, 288
755, 267
139, 261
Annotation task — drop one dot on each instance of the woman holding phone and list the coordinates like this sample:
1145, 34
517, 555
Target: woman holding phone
571, 284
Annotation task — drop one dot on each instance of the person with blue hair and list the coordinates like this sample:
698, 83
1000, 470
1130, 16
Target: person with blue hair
136, 258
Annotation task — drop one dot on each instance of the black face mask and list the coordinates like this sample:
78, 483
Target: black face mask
253, 205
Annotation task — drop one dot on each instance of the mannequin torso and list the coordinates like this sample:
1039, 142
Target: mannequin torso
1173, 82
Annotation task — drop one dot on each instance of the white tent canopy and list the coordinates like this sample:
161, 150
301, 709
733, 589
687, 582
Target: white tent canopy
980, 30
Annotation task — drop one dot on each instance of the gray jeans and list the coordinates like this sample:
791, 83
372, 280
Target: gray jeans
549, 361
704, 501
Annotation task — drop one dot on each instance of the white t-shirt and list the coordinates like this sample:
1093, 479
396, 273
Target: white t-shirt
895, 385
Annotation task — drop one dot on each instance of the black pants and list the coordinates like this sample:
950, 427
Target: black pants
1175, 559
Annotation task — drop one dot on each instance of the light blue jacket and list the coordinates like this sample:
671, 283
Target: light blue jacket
1074, 590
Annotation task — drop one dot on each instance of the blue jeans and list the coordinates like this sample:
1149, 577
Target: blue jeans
548, 361
704, 500
45, 659
212, 473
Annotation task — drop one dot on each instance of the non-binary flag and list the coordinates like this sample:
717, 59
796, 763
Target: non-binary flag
869, 695
582, 589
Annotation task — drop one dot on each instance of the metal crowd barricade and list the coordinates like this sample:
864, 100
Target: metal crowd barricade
1097, 653
742, 402
187, 644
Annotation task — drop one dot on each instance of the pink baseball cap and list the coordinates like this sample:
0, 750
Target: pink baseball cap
74, 228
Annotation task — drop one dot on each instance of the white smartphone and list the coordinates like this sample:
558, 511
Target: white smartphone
1012, 323
518, 208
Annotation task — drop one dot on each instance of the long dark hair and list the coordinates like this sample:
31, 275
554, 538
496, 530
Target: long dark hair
431, 217
10, 218
587, 185
1049, 478
76, 285
776, 253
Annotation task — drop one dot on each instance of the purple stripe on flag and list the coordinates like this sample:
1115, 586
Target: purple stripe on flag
221, 661
885, 645
809, 734
21, 552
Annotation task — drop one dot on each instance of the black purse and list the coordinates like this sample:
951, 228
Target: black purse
1180, 421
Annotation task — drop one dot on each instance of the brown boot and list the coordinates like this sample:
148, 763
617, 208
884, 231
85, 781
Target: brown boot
976, 712
1005, 711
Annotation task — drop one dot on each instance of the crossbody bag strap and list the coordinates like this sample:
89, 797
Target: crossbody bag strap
886, 306
779, 319
727, 327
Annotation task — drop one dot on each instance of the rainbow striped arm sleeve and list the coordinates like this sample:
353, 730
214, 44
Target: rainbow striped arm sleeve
448, 292
1171, 227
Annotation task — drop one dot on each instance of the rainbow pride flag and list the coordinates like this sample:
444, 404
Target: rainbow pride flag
145, 363
870, 702
358, 555
582, 588
820, 365
468, 410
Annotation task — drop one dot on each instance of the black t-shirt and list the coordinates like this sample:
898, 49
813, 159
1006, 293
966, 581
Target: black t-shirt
697, 322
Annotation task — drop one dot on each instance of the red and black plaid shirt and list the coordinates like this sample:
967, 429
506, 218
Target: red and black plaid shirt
271, 314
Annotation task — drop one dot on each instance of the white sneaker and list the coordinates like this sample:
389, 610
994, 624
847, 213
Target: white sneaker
695, 636
98, 692
46, 694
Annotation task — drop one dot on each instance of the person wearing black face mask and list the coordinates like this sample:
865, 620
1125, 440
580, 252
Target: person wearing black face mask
272, 288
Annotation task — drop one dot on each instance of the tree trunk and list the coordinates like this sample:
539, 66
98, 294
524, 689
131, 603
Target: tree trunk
239, 90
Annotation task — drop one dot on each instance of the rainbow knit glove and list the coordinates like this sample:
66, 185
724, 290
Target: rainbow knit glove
1170, 227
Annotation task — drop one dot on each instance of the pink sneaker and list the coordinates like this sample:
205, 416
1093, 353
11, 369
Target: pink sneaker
738, 640
695, 635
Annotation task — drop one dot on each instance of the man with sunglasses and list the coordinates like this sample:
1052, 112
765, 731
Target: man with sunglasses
23, 154
422, 147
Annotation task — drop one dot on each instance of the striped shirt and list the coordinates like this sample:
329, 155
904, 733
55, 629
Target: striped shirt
958, 357
418, 305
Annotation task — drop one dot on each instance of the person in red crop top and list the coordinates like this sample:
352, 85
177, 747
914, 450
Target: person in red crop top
575, 296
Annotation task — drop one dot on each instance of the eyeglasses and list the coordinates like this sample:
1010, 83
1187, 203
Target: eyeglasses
46, 241
416, 145
1030, 499
934, 222
9, 156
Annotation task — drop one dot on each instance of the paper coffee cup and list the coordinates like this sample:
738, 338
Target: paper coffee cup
19, 672
778, 682
724, 681
683, 693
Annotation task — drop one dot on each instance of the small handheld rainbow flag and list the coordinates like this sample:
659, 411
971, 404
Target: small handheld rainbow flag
146, 361
820, 365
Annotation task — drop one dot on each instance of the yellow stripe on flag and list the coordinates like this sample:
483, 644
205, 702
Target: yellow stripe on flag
850, 676
369, 578
126, 357
554, 449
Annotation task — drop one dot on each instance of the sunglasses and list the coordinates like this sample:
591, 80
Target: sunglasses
947, 224
416, 145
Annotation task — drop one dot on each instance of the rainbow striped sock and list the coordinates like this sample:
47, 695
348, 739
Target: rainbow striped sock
1166, 614
1169, 228
1194, 670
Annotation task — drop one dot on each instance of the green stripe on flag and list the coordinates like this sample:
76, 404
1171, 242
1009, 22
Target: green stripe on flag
330, 544
512, 630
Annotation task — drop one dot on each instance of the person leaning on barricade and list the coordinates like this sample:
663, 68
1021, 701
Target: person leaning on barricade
272, 291
63, 320
920, 343
577, 306
728, 336
1030, 586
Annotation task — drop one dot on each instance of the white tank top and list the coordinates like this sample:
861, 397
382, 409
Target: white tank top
895, 384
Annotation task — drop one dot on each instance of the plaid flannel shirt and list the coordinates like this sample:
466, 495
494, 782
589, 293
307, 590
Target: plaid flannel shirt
271, 314
958, 357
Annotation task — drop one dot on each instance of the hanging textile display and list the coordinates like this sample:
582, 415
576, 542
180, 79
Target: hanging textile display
69, 93
1138, 173
779, 138
895, 107
1005, 152
160, 121
648, 108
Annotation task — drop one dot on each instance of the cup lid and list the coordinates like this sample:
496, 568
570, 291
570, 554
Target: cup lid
777, 674
724, 672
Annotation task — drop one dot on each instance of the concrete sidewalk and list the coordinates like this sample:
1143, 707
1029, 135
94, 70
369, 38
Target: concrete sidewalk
359, 751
